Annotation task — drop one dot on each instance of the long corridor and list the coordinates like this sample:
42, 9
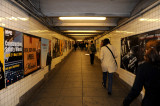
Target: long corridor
78, 83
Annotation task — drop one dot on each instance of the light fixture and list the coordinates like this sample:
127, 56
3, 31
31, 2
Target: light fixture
79, 40
82, 31
82, 18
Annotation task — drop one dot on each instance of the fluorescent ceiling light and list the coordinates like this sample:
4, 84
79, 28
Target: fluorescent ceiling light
79, 40
82, 31
82, 18
81, 34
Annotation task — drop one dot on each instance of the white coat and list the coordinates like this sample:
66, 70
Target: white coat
107, 61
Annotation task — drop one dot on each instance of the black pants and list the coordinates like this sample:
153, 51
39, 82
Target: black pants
92, 58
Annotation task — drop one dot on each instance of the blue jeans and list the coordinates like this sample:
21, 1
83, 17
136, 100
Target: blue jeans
110, 80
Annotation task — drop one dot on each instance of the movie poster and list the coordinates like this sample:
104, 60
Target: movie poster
61, 47
44, 51
32, 53
13, 47
2, 78
133, 49
69, 45
56, 47
64, 45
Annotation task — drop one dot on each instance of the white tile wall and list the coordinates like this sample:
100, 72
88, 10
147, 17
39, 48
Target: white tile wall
147, 22
16, 19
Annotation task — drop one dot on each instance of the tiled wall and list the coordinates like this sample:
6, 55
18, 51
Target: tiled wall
144, 23
14, 18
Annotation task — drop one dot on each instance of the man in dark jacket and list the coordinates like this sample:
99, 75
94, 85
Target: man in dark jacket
49, 60
92, 51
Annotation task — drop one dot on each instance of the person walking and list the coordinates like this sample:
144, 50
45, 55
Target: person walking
108, 63
148, 76
75, 46
92, 51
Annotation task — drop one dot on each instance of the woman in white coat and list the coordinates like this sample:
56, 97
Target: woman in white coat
108, 63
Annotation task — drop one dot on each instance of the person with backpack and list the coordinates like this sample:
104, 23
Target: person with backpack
92, 51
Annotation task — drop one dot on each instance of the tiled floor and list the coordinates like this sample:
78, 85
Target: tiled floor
78, 83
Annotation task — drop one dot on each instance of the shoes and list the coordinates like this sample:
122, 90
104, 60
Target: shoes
109, 93
104, 86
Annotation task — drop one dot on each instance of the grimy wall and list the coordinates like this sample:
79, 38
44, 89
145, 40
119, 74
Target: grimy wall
14, 18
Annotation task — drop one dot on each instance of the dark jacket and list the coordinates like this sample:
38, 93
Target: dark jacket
92, 49
148, 75
49, 59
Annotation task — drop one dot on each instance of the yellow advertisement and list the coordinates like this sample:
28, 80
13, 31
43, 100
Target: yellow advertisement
32, 54
2, 78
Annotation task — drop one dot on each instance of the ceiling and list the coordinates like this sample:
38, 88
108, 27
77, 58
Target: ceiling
49, 11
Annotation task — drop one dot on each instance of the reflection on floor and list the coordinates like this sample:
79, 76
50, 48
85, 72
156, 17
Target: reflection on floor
78, 83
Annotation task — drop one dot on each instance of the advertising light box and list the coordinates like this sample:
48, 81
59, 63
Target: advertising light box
2, 78
133, 49
32, 54
13, 47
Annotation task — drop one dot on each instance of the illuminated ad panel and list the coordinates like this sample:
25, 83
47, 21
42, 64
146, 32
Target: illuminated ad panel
13, 47
2, 78
32, 54
44, 51
56, 47
69, 44
61, 48
133, 49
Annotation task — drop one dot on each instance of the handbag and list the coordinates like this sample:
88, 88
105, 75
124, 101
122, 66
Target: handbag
112, 54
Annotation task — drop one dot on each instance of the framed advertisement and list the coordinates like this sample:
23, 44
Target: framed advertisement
133, 49
2, 77
44, 51
56, 47
13, 55
32, 53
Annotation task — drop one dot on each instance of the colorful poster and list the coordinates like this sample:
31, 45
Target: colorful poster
61, 47
2, 78
56, 47
32, 54
133, 49
13, 47
69, 44
44, 51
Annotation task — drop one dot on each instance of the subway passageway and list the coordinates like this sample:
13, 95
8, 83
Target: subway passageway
78, 83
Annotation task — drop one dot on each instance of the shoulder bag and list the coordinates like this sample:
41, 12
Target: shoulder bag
112, 54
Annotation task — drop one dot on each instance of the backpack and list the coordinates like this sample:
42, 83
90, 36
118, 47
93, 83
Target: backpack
93, 48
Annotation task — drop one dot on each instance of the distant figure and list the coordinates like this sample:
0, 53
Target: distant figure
49, 60
108, 63
148, 76
92, 51
75, 46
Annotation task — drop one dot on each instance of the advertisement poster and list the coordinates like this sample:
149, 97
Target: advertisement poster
64, 45
2, 78
13, 47
44, 51
133, 49
69, 45
32, 53
56, 47
61, 47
